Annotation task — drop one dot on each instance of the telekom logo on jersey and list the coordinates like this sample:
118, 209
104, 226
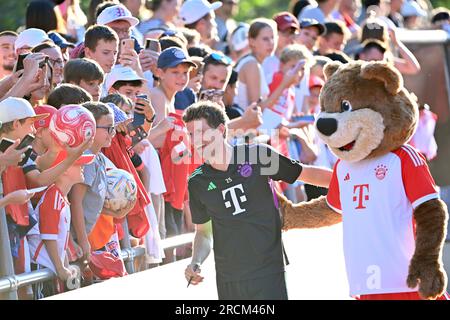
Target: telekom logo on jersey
237, 201
360, 195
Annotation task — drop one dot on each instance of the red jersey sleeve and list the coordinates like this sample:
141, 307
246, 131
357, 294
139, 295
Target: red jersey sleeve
333, 195
417, 180
49, 214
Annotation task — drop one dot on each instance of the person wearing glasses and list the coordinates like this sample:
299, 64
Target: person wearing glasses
87, 198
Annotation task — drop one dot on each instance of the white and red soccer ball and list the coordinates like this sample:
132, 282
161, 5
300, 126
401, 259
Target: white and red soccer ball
121, 189
72, 124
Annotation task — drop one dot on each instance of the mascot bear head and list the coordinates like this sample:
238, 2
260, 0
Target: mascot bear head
366, 111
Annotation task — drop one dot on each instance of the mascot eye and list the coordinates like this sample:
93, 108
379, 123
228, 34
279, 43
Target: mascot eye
346, 106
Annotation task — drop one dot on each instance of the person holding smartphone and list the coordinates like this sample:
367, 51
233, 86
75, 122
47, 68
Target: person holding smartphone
17, 117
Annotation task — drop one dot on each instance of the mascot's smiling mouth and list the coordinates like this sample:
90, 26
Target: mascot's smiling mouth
349, 146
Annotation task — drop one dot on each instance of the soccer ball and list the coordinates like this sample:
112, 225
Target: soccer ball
72, 124
121, 189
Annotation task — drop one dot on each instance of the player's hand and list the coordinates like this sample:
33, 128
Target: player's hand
86, 248
190, 273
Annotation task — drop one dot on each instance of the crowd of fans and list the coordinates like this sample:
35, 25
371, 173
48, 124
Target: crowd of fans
126, 59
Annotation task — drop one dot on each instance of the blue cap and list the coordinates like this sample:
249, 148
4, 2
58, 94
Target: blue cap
59, 40
173, 56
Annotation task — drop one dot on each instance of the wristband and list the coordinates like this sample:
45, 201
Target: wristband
152, 119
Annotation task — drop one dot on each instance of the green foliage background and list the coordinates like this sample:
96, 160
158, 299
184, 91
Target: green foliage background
12, 12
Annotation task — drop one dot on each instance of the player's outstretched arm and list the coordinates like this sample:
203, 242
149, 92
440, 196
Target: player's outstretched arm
317, 176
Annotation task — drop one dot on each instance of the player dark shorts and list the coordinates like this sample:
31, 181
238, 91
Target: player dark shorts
271, 287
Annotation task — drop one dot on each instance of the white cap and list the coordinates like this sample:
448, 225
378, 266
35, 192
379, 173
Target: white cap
16, 109
121, 73
239, 37
412, 9
194, 10
31, 38
114, 13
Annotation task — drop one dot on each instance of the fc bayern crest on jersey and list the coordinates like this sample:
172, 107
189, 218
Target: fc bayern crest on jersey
381, 171
245, 170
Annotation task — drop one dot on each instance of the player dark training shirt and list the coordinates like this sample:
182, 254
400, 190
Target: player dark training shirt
246, 224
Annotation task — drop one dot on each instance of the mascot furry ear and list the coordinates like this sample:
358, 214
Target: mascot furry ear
392, 79
331, 68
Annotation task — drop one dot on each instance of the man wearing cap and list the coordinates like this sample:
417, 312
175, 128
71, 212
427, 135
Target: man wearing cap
412, 12
29, 39
310, 30
288, 27
7, 53
199, 15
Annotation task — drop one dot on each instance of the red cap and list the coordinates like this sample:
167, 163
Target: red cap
82, 160
286, 20
315, 81
105, 265
44, 109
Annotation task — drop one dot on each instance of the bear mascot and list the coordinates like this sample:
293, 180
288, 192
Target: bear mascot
394, 224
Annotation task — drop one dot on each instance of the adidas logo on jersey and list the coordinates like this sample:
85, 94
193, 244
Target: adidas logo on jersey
347, 177
211, 186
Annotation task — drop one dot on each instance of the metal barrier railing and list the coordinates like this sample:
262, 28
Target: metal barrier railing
10, 282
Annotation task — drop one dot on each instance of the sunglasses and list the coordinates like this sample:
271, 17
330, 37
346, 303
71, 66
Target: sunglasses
111, 130
168, 33
221, 58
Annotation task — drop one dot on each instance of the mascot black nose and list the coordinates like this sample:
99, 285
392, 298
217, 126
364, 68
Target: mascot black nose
327, 126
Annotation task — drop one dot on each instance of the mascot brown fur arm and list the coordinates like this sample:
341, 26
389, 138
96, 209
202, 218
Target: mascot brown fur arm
312, 214
426, 269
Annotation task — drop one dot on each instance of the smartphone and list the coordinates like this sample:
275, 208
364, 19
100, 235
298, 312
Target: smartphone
206, 94
309, 118
26, 141
43, 62
19, 63
127, 44
137, 134
217, 95
139, 118
153, 45
5, 143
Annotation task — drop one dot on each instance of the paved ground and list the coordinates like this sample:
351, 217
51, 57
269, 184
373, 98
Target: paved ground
316, 271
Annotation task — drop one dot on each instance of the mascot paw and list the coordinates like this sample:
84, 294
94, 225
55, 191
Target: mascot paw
429, 276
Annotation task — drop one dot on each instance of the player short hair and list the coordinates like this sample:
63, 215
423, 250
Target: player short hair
212, 112
67, 93
82, 69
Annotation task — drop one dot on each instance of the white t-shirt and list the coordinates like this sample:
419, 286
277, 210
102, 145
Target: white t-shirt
241, 99
270, 65
302, 91
53, 215
376, 198
151, 160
